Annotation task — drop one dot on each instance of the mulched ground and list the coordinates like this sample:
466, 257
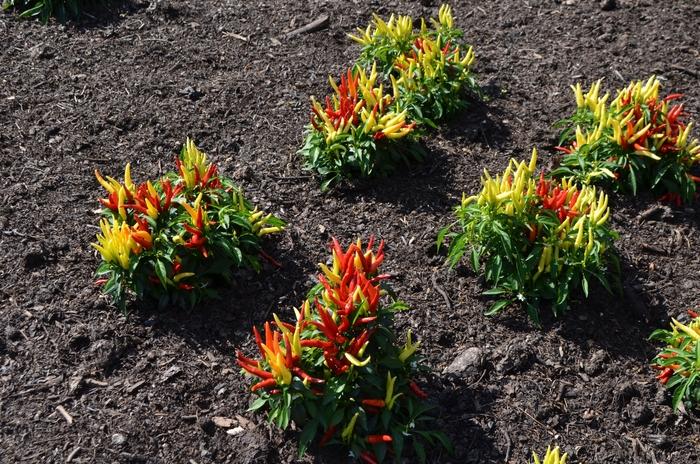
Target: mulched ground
130, 84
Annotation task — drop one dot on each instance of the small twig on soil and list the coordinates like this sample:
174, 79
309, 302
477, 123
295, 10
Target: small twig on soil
316, 25
644, 215
96, 383
235, 36
549, 430
685, 70
509, 445
65, 414
653, 249
16, 233
290, 178
442, 292
270, 259
483, 373
73, 454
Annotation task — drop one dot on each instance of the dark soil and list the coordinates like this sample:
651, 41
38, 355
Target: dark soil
130, 84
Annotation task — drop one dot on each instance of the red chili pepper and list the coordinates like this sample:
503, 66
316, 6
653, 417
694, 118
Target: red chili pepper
264, 384
327, 436
665, 375
298, 371
533, 233
375, 439
417, 390
693, 314
673, 96
368, 458
375, 403
102, 281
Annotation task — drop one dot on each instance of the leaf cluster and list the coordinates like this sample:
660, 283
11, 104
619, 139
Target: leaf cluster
356, 155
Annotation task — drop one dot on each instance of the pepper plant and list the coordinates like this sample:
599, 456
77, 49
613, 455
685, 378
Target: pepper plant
537, 240
174, 239
43, 9
429, 67
338, 370
359, 132
679, 360
551, 457
638, 141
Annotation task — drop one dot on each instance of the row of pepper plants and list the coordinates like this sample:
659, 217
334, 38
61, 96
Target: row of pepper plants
338, 370
404, 82
537, 241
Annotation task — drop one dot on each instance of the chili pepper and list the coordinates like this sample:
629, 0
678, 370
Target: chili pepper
693, 314
375, 403
327, 435
298, 371
417, 390
375, 439
264, 384
533, 232
368, 458
665, 375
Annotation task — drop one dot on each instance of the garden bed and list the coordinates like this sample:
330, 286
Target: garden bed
79, 380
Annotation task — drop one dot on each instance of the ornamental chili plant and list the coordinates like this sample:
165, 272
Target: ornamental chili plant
638, 141
338, 370
537, 240
358, 132
44, 9
429, 67
175, 239
552, 456
678, 362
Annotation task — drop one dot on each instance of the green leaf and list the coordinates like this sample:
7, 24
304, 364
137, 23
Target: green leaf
475, 256
441, 236
257, 404
494, 291
633, 179
307, 435
497, 306
420, 451
161, 272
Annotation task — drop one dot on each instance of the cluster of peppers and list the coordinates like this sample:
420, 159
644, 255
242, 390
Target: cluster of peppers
637, 140
361, 131
539, 239
427, 65
171, 240
679, 361
338, 370
359, 109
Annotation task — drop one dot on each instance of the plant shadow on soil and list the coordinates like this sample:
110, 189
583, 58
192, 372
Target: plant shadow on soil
480, 121
427, 181
108, 13
250, 300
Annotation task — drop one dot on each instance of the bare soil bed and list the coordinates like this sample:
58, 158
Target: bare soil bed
130, 83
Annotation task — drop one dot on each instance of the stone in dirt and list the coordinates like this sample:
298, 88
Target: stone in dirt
118, 439
517, 357
470, 359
